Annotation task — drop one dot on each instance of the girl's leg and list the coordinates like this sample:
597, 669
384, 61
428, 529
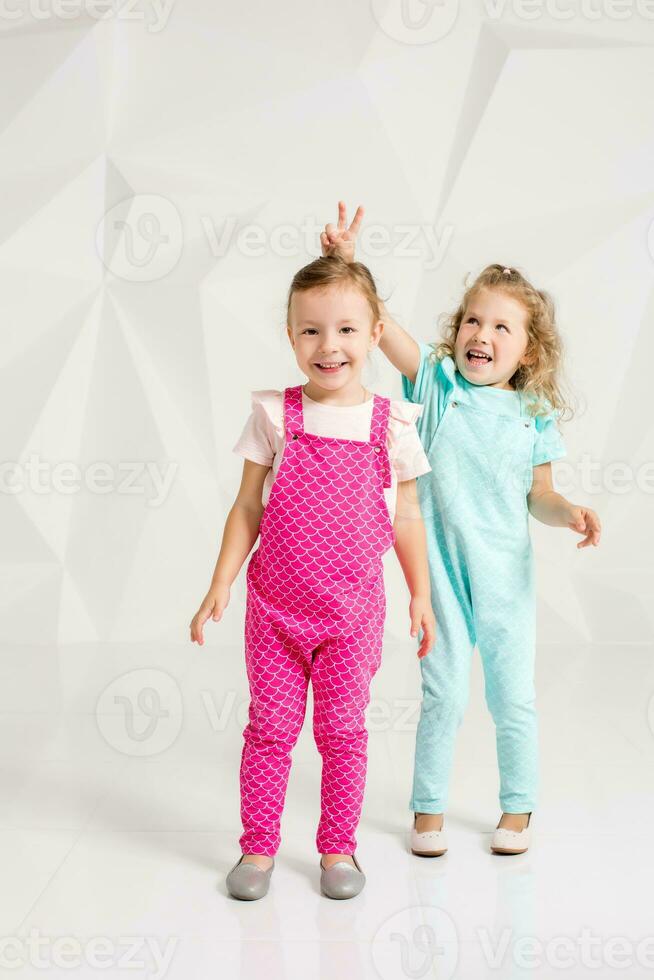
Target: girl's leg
507, 646
278, 673
341, 674
445, 686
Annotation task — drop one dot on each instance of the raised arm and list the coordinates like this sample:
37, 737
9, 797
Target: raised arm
398, 345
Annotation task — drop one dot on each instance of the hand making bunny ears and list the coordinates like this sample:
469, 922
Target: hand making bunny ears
339, 239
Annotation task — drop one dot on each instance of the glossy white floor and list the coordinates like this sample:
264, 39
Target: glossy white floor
119, 820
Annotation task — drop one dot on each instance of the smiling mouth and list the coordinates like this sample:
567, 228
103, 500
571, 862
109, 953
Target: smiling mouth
477, 357
329, 367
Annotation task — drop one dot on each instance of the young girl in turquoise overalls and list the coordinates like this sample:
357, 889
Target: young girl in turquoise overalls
491, 400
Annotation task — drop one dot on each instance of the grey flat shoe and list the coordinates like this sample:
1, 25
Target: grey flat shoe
342, 880
248, 882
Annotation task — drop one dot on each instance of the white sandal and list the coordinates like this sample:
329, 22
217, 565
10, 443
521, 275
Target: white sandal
429, 843
511, 841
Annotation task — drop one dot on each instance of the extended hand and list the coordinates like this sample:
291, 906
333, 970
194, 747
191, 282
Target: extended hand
422, 615
585, 521
341, 240
213, 605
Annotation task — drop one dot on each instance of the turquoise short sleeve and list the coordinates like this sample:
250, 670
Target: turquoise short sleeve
548, 444
424, 378
433, 384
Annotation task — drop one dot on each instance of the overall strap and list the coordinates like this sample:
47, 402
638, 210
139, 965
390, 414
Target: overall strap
293, 415
378, 431
379, 422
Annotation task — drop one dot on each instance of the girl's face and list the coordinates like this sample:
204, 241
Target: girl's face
494, 327
332, 330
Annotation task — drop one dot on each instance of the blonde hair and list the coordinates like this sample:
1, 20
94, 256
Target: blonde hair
540, 381
331, 270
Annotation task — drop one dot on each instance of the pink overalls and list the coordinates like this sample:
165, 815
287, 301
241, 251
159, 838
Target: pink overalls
315, 609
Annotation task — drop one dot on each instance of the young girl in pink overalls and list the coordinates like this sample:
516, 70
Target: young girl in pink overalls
328, 485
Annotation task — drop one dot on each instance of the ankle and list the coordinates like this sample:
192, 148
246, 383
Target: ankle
515, 821
327, 860
263, 861
424, 822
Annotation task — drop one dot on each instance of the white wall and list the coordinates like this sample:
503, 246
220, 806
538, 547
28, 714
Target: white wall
512, 139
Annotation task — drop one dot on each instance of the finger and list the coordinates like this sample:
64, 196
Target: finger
342, 216
427, 641
425, 648
595, 527
588, 539
415, 626
326, 246
356, 220
331, 232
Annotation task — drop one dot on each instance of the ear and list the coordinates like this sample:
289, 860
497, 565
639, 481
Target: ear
376, 334
291, 338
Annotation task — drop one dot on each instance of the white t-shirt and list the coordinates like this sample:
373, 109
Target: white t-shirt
262, 439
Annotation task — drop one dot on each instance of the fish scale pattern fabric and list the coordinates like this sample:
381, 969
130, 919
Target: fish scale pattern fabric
315, 612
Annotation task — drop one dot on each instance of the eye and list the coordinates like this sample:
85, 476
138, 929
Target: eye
349, 329
503, 326
310, 330
472, 319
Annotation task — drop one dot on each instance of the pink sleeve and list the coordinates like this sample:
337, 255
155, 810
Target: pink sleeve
258, 439
406, 451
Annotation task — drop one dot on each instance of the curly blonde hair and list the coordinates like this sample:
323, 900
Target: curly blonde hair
541, 380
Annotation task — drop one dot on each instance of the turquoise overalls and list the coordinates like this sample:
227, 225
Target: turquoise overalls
482, 446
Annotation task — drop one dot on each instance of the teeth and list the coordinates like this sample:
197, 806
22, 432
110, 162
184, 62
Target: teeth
331, 364
478, 354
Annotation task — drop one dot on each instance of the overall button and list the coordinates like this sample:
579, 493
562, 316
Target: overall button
377, 449
454, 404
295, 435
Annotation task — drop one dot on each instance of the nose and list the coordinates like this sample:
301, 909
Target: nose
481, 334
328, 344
